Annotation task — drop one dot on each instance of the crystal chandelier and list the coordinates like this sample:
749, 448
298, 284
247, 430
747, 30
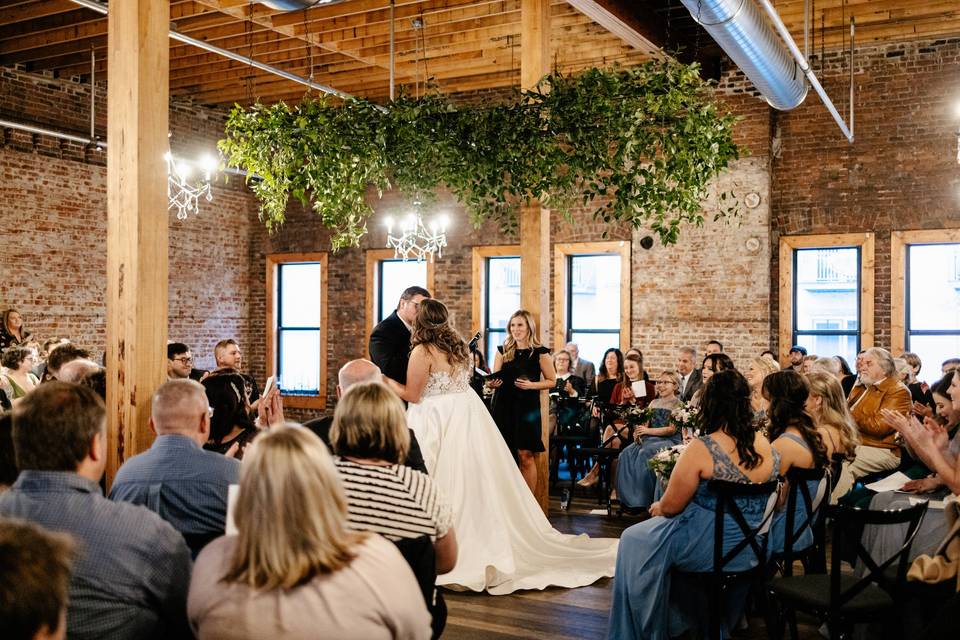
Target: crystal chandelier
183, 190
414, 239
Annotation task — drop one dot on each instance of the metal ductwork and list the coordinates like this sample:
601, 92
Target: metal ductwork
742, 31
295, 5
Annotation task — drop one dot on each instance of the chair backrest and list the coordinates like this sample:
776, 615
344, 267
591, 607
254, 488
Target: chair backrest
849, 522
753, 535
799, 480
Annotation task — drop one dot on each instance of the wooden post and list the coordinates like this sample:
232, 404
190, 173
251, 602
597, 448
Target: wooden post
534, 220
137, 102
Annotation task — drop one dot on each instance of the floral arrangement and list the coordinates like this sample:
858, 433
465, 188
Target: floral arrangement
635, 416
665, 460
687, 420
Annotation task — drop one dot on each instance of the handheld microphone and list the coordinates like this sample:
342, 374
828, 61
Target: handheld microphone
475, 340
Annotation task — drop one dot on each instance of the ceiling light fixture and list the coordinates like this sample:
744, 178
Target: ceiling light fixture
415, 240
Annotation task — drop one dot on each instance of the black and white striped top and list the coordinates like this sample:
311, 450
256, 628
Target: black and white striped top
396, 502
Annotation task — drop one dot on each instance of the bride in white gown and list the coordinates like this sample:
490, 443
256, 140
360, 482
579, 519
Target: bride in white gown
505, 541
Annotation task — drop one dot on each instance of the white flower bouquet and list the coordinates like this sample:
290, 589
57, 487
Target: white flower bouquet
663, 462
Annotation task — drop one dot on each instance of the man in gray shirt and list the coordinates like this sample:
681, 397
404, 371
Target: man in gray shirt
176, 478
132, 570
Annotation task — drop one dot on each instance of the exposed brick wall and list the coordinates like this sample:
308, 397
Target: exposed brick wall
53, 258
901, 171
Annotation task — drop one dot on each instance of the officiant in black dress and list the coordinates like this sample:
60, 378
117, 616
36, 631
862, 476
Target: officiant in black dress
390, 341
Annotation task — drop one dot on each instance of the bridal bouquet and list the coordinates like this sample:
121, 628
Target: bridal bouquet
687, 420
663, 462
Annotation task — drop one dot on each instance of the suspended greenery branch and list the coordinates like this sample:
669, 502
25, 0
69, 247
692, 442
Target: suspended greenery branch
637, 145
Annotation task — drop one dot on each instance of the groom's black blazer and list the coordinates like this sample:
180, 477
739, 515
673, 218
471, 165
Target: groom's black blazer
390, 347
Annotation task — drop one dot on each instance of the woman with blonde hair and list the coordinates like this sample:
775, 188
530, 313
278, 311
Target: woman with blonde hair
295, 568
830, 413
757, 371
527, 369
504, 540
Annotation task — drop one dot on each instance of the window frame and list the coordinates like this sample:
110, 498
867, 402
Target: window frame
787, 312
274, 261
480, 294
899, 274
372, 289
561, 283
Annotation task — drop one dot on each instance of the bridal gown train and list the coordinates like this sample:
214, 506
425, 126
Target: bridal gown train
505, 541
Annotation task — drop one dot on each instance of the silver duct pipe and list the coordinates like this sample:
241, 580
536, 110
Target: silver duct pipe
740, 29
31, 128
101, 8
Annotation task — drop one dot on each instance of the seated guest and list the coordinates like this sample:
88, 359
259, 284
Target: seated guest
132, 570
801, 445
948, 365
757, 371
370, 437
808, 363
919, 391
570, 386
846, 376
922, 480
796, 355
830, 365
12, 331
479, 368
611, 384
636, 483
714, 346
18, 379
176, 478
626, 391
75, 370
690, 378
827, 405
229, 361
96, 380
633, 351
609, 375
8, 461
295, 571
61, 355
880, 389
712, 363
681, 533
48, 345
581, 367
179, 361
358, 372
230, 424
942, 456
34, 577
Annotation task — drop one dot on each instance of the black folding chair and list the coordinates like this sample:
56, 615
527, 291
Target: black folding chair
719, 580
843, 599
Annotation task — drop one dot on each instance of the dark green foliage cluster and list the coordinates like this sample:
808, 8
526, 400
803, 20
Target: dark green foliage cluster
637, 145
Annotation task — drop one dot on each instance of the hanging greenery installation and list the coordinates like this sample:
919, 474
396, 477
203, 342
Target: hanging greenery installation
637, 145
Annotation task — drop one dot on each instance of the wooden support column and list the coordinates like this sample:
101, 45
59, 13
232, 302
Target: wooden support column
535, 220
137, 103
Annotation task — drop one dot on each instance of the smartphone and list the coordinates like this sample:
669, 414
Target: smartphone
267, 388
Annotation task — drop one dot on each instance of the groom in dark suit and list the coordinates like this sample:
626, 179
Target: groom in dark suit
390, 341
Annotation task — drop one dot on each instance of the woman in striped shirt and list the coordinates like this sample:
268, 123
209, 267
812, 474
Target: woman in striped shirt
370, 437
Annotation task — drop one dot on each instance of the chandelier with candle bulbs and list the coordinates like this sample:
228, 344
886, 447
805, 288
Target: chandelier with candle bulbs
187, 182
414, 239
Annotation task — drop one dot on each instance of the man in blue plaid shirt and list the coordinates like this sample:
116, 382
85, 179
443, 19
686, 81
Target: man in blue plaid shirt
132, 570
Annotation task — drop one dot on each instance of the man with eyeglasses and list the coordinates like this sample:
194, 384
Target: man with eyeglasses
179, 361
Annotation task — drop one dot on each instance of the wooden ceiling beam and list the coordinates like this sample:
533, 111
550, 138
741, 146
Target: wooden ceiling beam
33, 10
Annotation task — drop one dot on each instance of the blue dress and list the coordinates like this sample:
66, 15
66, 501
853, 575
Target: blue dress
636, 483
776, 537
649, 550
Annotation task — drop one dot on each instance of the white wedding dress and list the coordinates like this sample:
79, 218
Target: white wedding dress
505, 541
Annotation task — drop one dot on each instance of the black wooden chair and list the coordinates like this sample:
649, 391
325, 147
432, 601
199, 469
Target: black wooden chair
812, 518
843, 599
421, 556
720, 578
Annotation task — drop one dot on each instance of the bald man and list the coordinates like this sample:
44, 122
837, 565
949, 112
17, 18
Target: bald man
76, 370
185, 485
356, 372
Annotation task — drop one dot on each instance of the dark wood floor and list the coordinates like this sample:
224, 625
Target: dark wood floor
556, 614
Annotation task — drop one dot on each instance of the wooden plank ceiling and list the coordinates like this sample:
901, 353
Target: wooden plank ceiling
463, 45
